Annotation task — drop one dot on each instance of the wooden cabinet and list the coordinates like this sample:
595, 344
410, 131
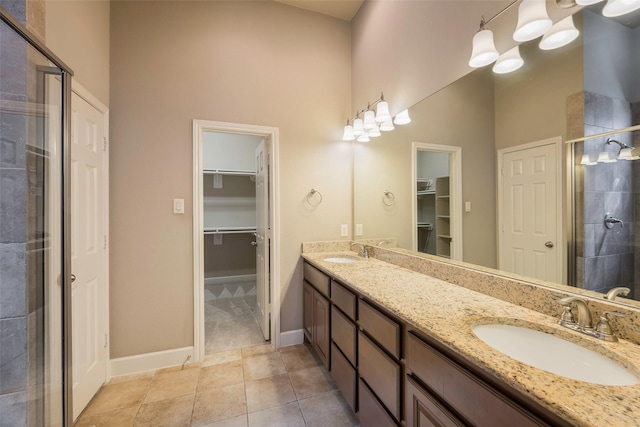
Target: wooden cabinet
317, 312
435, 382
321, 331
307, 310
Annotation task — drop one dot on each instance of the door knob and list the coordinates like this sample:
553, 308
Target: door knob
73, 278
549, 244
254, 243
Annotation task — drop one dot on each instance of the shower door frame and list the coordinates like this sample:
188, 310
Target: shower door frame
65, 127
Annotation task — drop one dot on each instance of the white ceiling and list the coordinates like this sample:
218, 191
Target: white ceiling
342, 9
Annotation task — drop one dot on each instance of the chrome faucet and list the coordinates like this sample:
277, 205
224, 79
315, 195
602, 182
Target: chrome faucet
584, 314
362, 251
613, 293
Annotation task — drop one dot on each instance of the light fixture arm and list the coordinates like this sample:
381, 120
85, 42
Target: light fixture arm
369, 105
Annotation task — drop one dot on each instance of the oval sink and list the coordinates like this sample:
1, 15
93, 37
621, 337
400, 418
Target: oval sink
341, 260
554, 354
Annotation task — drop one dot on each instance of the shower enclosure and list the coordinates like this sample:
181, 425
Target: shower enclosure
34, 89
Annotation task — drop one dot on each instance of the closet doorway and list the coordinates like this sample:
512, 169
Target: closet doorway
436, 188
235, 238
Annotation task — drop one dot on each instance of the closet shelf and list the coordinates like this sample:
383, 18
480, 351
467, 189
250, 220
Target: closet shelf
426, 192
228, 172
229, 230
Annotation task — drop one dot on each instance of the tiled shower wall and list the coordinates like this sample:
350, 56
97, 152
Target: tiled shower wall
606, 257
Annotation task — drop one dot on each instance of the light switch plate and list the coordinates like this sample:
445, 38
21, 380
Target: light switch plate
359, 230
178, 206
344, 230
467, 206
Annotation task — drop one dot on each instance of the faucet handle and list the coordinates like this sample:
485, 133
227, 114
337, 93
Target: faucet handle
603, 329
567, 317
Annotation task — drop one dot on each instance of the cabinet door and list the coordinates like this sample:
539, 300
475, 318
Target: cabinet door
423, 410
307, 311
321, 331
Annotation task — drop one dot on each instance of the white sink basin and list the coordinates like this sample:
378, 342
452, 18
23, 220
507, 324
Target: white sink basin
341, 260
554, 354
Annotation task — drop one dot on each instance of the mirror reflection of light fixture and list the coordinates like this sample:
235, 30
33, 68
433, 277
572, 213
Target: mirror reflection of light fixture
586, 160
402, 118
362, 130
626, 154
587, 2
508, 61
603, 157
484, 51
615, 8
533, 20
561, 34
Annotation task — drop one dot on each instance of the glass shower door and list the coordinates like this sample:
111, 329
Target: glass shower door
31, 242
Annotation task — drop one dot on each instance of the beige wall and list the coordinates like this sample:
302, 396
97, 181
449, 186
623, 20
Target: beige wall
78, 33
259, 63
460, 115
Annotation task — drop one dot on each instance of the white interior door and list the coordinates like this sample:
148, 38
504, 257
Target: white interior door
529, 242
88, 245
262, 241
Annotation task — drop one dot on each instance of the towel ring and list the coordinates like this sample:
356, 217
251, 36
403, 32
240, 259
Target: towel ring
388, 197
310, 195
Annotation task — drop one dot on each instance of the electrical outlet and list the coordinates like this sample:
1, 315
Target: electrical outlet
344, 230
359, 230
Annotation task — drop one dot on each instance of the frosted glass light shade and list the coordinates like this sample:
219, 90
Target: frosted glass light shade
348, 133
484, 50
626, 154
561, 34
533, 20
358, 128
603, 157
508, 61
587, 2
586, 160
387, 126
382, 112
363, 138
369, 120
374, 133
402, 118
615, 8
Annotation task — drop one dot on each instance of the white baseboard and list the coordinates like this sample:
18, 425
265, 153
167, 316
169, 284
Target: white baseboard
229, 279
291, 337
150, 361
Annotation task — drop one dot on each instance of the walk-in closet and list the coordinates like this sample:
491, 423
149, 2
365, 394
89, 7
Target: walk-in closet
433, 211
229, 221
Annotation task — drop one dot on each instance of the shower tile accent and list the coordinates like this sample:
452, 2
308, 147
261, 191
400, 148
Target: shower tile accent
606, 255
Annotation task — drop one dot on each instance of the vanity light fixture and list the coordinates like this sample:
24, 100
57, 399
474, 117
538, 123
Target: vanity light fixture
626, 154
373, 122
508, 61
484, 51
615, 8
561, 34
533, 20
603, 157
586, 160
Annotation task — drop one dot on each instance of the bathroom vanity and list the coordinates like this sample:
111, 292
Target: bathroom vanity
401, 349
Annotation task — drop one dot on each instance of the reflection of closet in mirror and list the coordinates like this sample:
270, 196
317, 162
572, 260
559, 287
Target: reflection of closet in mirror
432, 203
229, 220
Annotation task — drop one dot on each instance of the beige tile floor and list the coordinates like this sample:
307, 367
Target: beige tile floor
252, 386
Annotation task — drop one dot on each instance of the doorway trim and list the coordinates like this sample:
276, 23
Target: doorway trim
455, 200
561, 241
199, 127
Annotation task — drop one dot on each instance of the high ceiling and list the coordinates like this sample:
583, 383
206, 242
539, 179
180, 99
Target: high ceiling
343, 9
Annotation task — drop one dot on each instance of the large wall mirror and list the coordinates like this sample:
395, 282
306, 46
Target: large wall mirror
501, 126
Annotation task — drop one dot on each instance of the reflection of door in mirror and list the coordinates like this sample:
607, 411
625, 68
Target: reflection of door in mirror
434, 223
529, 210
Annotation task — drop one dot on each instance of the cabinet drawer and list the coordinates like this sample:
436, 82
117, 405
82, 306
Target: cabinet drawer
317, 278
344, 299
380, 326
477, 401
344, 375
371, 413
343, 333
381, 373
424, 410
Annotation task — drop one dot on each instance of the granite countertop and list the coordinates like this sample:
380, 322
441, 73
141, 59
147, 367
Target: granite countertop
447, 313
